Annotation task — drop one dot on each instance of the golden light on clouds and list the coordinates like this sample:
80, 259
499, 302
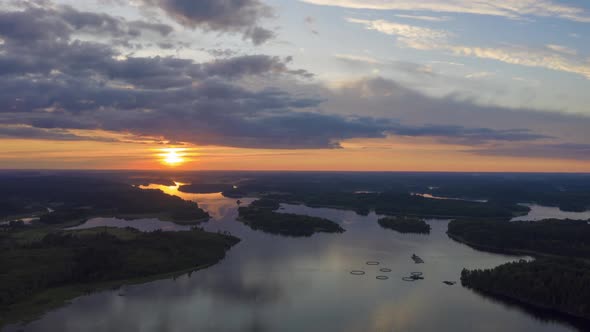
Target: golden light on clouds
388, 154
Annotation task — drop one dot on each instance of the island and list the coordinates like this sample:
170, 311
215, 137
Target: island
261, 215
405, 224
401, 204
558, 279
44, 269
387, 194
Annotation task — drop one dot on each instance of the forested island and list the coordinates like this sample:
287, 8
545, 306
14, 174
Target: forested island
558, 278
405, 224
554, 237
561, 285
38, 274
261, 215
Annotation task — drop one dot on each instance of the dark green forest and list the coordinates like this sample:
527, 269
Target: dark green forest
558, 278
88, 257
405, 224
261, 215
569, 192
75, 198
558, 284
569, 238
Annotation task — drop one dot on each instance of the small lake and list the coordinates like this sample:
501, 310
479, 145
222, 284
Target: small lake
539, 212
273, 283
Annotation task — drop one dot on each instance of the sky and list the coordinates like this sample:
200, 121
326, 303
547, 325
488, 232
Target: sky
350, 85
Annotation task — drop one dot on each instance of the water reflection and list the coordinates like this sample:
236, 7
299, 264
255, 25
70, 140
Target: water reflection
539, 212
273, 283
143, 224
218, 206
450, 198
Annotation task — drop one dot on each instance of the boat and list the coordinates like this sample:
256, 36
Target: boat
417, 259
414, 276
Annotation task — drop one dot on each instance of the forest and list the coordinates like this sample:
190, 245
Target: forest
73, 198
548, 237
405, 224
261, 215
569, 192
562, 285
81, 260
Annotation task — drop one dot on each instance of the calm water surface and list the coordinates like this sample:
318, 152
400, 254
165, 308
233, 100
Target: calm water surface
539, 212
144, 224
273, 283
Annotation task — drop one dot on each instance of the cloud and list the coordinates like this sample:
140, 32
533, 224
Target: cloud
409, 35
562, 49
351, 58
380, 97
514, 9
525, 57
251, 65
52, 82
37, 23
553, 151
364, 62
553, 57
425, 18
29, 132
480, 75
236, 16
470, 136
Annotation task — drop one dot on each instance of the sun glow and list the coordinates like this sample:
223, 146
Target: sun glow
172, 157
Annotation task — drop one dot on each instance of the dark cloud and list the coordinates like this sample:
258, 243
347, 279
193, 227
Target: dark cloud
380, 97
240, 16
220, 52
38, 23
50, 81
471, 136
27, 132
162, 29
251, 65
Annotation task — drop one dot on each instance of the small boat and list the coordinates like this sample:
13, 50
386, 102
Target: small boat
414, 276
450, 283
417, 259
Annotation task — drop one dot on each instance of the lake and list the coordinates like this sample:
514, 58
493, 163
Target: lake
274, 283
539, 212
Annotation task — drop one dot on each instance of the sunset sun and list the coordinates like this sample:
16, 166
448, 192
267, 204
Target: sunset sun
172, 157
